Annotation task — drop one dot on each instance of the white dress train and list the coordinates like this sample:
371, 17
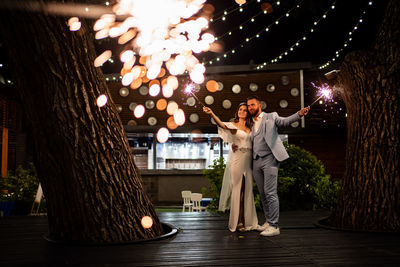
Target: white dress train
237, 166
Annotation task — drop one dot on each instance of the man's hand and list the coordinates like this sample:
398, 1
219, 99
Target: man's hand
234, 148
302, 112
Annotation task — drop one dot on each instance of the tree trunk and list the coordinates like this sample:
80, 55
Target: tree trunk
93, 189
370, 83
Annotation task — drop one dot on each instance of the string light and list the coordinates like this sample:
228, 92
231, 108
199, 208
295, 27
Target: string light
267, 29
299, 41
252, 19
225, 13
257, 35
346, 43
234, 8
240, 27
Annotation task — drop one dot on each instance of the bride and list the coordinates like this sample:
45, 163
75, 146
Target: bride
238, 175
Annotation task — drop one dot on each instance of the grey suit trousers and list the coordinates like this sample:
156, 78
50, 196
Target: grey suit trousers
265, 173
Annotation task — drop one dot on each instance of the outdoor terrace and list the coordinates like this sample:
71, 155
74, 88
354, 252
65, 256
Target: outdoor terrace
203, 240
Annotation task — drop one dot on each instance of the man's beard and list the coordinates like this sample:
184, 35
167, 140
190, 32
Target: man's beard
253, 113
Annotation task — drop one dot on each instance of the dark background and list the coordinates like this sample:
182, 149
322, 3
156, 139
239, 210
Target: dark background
329, 34
320, 46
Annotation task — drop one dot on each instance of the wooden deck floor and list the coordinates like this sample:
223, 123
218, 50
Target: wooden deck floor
204, 240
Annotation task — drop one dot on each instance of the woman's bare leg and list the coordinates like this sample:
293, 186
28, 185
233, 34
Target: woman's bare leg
241, 209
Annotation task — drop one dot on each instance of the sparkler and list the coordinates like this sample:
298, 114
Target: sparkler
324, 91
188, 90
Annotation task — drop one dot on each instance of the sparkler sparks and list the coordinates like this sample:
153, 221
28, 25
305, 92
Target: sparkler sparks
189, 90
324, 91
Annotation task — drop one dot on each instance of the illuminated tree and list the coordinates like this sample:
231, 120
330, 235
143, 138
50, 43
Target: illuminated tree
370, 82
92, 187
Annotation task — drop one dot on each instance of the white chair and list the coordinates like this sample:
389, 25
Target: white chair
186, 200
196, 201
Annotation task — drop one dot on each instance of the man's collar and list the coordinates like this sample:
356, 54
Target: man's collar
255, 118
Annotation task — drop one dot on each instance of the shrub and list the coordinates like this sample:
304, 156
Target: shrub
302, 182
214, 176
21, 188
23, 184
311, 187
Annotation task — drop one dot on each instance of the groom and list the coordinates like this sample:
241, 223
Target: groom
268, 152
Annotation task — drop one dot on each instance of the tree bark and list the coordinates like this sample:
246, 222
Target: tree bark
93, 189
370, 86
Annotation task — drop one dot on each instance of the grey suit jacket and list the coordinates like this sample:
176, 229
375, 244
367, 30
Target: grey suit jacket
267, 134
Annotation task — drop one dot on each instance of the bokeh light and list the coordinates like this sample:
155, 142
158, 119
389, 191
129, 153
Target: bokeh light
136, 83
171, 124
154, 89
267, 7
139, 111
173, 82
167, 91
162, 73
127, 55
126, 37
179, 117
101, 100
102, 58
172, 107
208, 9
161, 104
160, 40
212, 86
162, 135
127, 79
72, 20
147, 222
240, 2
74, 24
162, 33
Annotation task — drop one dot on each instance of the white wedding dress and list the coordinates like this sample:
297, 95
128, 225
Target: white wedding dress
237, 166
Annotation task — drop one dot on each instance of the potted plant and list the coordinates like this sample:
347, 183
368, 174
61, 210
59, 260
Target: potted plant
6, 201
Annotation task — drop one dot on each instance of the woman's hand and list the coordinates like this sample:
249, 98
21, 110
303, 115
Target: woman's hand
207, 110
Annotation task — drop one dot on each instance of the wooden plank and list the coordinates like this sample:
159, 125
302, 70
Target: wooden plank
204, 240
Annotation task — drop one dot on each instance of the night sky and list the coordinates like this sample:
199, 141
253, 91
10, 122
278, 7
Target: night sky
320, 46
329, 34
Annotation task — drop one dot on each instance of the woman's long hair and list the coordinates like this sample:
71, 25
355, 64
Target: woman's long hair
249, 121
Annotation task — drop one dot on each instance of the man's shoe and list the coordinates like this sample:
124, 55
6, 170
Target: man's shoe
263, 227
270, 231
